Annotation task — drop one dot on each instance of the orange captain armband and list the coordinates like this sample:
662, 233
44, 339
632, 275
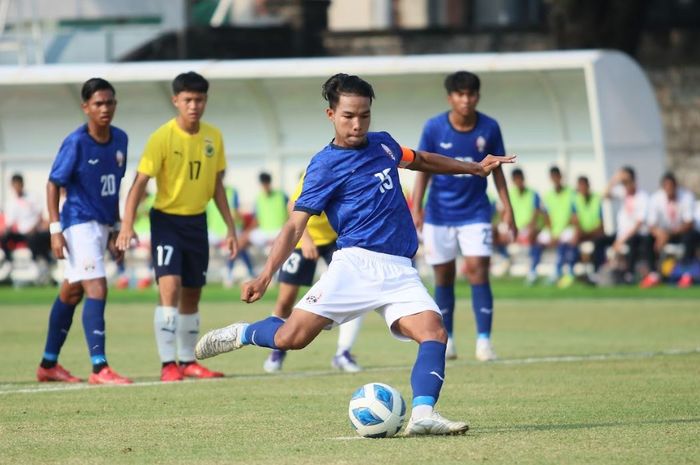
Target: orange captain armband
407, 157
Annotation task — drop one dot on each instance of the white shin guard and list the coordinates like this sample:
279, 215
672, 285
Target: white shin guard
187, 334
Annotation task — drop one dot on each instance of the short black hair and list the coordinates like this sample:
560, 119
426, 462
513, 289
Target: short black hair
93, 85
341, 83
17, 178
190, 82
630, 171
584, 179
669, 176
462, 80
517, 172
554, 170
265, 178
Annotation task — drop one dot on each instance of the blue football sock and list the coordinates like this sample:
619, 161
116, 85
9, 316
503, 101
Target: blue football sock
572, 257
561, 257
262, 333
428, 373
445, 300
60, 320
536, 256
94, 326
482, 305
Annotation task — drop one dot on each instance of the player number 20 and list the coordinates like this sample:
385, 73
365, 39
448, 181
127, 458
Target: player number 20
109, 185
163, 254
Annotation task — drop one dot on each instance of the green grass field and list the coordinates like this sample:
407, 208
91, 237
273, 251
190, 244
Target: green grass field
586, 376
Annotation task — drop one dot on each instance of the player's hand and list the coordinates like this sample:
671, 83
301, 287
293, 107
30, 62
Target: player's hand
117, 254
491, 162
126, 238
58, 245
253, 290
308, 249
509, 221
231, 245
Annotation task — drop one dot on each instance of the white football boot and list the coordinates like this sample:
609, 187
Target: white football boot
435, 425
450, 350
345, 362
219, 341
484, 350
274, 361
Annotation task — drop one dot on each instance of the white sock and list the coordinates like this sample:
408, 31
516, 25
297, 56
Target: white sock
421, 411
165, 326
347, 333
187, 334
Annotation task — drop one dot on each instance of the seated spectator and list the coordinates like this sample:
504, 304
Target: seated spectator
588, 221
24, 223
632, 236
671, 220
558, 204
529, 219
270, 215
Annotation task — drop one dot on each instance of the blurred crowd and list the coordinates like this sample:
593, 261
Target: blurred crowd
563, 234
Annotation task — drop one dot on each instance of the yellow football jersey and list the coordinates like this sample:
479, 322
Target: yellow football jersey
319, 228
185, 167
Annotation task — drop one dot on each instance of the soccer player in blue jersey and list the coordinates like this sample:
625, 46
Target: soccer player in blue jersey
355, 181
90, 166
457, 215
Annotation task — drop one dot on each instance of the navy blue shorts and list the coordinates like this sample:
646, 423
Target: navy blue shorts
180, 246
299, 271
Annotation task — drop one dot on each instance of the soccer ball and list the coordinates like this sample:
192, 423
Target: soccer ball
377, 410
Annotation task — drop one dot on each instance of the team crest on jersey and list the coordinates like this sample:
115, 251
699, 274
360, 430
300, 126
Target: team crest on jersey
388, 152
208, 148
120, 158
480, 144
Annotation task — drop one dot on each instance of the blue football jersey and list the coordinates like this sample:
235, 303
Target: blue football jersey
455, 200
91, 173
360, 191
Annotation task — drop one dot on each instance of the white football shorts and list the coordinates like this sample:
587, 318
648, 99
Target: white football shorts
441, 243
358, 281
86, 249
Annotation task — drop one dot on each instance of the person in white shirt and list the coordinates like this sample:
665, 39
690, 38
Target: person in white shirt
671, 220
632, 230
25, 222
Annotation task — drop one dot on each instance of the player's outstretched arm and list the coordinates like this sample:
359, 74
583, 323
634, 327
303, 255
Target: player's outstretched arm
127, 234
282, 247
438, 164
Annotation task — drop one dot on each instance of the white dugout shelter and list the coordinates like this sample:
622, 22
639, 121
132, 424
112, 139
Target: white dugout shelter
589, 112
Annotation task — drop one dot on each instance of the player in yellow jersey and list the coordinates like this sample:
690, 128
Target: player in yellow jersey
298, 270
186, 156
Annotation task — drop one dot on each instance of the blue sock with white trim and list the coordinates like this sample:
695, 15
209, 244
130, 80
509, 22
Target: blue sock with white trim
262, 333
445, 300
482, 305
427, 377
60, 320
94, 326
536, 256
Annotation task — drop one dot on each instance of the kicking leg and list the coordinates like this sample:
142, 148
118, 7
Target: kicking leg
297, 332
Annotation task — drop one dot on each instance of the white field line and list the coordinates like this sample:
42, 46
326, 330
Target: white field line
50, 387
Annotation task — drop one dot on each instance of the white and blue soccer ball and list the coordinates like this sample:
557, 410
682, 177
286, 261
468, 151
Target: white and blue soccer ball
377, 410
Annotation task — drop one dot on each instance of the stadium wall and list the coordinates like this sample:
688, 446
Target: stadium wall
587, 111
